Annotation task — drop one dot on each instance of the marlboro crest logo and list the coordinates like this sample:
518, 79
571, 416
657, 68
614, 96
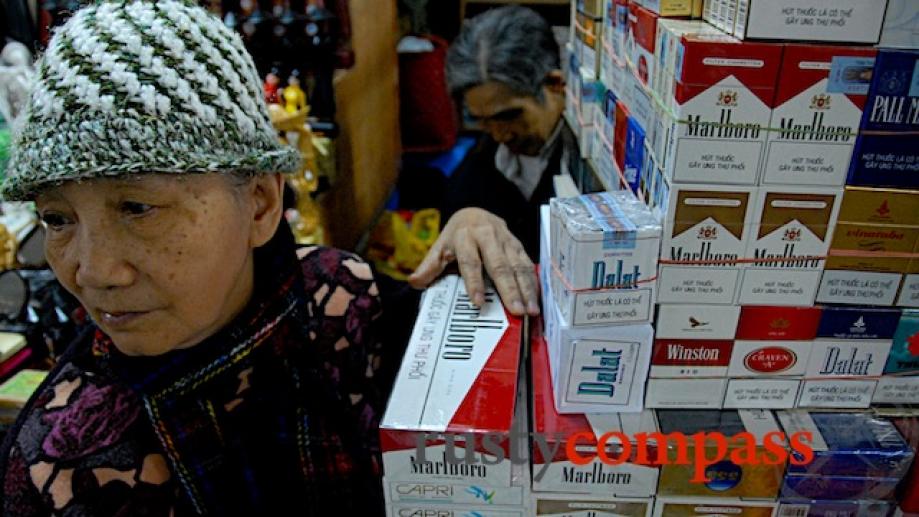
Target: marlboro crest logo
707, 233
821, 102
792, 235
727, 98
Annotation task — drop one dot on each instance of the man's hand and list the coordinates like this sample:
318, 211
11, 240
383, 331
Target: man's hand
474, 237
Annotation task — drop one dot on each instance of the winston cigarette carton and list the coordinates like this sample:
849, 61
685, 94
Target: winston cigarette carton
705, 234
818, 109
584, 505
459, 359
676, 358
672, 393
708, 506
792, 230
838, 21
554, 471
716, 322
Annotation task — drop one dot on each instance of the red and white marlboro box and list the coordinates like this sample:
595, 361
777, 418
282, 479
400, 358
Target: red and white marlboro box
722, 103
818, 109
792, 231
715, 322
587, 505
640, 41
686, 393
778, 323
459, 359
674, 358
839, 21
705, 234
553, 470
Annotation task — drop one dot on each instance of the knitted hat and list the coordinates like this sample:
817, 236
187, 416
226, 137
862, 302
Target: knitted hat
139, 86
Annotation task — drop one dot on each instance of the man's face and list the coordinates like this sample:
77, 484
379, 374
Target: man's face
521, 122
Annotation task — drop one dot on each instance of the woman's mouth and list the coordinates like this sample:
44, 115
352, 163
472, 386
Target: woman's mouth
121, 318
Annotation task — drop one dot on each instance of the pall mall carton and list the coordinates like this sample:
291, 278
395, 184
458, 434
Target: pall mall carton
706, 230
818, 109
837, 21
900, 383
459, 359
791, 234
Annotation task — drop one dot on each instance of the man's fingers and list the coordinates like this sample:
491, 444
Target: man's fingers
500, 269
431, 267
525, 274
470, 266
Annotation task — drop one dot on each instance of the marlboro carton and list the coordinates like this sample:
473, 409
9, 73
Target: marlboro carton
842, 21
715, 322
836, 509
458, 359
706, 506
553, 471
792, 231
778, 323
778, 393
818, 108
722, 103
705, 393
885, 152
669, 36
605, 259
726, 479
640, 41
584, 505
705, 233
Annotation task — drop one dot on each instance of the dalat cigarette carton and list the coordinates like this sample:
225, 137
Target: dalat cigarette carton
838, 21
792, 230
837, 393
886, 153
584, 505
852, 342
705, 233
458, 359
707, 506
700, 393
777, 393
818, 109
553, 470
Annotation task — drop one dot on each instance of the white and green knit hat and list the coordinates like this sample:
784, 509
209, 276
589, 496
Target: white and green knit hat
142, 86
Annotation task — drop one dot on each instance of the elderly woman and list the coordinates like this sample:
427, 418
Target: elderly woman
228, 372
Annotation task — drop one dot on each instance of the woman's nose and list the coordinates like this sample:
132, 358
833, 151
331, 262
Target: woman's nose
101, 262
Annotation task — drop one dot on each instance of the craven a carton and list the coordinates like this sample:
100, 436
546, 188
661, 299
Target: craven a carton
838, 21
818, 108
553, 471
725, 478
705, 234
585, 505
458, 359
722, 103
886, 153
791, 236
699, 393
709, 506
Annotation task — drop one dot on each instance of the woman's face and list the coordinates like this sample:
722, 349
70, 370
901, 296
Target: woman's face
159, 261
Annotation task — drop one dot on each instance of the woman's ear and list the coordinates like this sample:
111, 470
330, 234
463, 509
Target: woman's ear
267, 192
555, 81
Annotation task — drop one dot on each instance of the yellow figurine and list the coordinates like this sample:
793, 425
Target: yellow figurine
294, 97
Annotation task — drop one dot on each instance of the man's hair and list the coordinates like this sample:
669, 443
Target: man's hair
511, 45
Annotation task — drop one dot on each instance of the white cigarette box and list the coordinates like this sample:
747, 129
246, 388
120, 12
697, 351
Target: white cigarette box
585, 505
837, 393
605, 249
705, 234
897, 389
690, 358
770, 358
453, 494
686, 393
435, 510
848, 358
792, 231
838, 21
696, 321
779, 393
459, 358
553, 470
709, 506
900, 29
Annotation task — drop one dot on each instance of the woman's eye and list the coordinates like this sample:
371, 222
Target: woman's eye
54, 221
135, 208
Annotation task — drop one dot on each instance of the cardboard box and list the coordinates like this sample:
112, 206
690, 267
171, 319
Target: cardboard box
583, 505
779, 393
678, 358
838, 21
885, 152
770, 359
792, 230
669, 7
900, 29
555, 472
716, 322
706, 506
726, 478
778, 323
458, 359
836, 509
818, 109
605, 248
705, 232
904, 352
837, 393
686, 393
722, 103
854, 445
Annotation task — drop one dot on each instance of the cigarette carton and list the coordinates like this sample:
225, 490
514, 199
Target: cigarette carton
778, 323
896, 390
705, 233
848, 445
841, 488
726, 479
584, 505
770, 359
458, 359
553, 470
721, 107
836, 509
858, 323
588, 44
792, 231
847, 358
686, 393
904, 352
640, 42
453, 494
619, 137
669, 7
697, 6
909, 291
900, 29
675, 358
591, 8
605, 253
634, 154
818, 109
779, 393
715, 322
669, 36
706, 506
909, 496
885, 152
440, 510
841, 21
837, 393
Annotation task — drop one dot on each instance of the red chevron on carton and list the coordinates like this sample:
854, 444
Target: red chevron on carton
460, 361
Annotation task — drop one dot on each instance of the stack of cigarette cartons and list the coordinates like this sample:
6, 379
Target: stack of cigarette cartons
440, 451
900, 383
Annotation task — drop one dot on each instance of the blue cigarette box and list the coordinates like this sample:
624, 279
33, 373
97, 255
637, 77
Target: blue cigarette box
858, 323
